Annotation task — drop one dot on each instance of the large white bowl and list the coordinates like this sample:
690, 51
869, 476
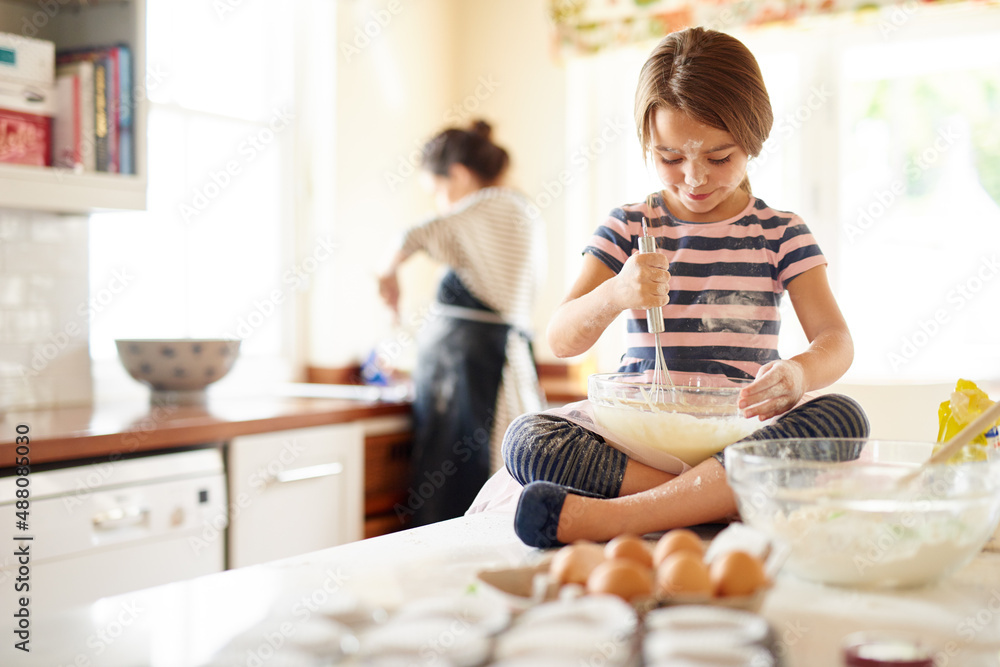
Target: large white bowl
690, 421
839, 506
178, 370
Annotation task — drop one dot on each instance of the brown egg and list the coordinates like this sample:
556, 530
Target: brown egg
679, 539
683, 573
631, 547
737, 573
573, 563
622, 577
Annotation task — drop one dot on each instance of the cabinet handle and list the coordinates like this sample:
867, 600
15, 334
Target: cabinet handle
309, 472
119, 517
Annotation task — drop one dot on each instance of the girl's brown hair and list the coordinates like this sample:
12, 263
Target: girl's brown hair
713, 78
472, 148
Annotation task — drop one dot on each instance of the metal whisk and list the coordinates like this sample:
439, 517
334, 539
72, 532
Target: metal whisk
654, 322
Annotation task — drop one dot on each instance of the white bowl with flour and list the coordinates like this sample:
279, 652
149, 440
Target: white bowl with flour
847, 519
691, 420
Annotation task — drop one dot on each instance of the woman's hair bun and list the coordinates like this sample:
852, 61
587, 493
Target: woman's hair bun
481, 127
472, 148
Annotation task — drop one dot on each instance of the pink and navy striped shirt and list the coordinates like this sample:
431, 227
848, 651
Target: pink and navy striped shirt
726, 283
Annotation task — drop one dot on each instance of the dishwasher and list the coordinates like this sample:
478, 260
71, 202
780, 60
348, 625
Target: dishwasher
115, 526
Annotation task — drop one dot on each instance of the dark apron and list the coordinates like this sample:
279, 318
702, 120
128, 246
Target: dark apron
457, 377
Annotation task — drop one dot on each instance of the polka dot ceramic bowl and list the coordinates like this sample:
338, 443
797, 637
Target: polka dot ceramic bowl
178, 369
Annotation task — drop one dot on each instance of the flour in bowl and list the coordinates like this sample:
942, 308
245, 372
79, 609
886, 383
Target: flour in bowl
691, 439
840, 544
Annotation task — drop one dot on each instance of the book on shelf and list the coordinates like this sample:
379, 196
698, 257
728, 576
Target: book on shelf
112, 104
74, 140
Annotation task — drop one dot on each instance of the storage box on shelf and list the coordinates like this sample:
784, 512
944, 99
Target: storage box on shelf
27, 100
74, 24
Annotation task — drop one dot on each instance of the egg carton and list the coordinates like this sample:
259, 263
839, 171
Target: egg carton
530, 585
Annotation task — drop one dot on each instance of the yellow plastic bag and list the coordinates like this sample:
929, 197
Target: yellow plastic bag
967, 402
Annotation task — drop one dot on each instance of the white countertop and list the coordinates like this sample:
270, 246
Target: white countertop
184, 624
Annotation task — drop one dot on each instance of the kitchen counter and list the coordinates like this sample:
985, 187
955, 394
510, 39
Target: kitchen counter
117, 429
186, 623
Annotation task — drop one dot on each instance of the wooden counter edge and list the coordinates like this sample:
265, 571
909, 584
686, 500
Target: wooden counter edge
166, 436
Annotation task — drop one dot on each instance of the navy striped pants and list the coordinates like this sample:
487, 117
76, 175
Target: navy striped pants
545, 447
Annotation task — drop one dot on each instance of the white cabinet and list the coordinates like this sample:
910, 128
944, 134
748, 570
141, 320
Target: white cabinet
296, 491
71, 24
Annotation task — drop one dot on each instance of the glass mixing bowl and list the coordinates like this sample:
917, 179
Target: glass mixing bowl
691, 420
847, 519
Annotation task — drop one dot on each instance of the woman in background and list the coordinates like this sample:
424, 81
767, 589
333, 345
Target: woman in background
475, 371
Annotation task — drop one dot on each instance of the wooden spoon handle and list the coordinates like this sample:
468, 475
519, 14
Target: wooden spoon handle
966, 435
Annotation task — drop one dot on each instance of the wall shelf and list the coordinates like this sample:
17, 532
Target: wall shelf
61, 191
73, 25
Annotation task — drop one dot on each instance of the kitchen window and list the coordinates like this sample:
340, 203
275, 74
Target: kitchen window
207, 258
885, 142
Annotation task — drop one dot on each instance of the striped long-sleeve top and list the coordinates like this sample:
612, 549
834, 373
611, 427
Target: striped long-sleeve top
493, 245
727, 280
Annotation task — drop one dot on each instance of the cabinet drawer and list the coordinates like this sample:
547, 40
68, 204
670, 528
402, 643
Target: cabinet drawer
292, 492
387, 462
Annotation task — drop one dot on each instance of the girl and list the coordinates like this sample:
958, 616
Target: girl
724, 260
474, 369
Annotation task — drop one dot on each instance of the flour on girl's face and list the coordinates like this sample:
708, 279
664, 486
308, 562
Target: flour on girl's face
692, 146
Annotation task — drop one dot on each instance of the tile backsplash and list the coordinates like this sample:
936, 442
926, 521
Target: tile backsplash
44, 353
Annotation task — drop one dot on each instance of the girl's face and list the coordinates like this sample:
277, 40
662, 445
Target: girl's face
700, 167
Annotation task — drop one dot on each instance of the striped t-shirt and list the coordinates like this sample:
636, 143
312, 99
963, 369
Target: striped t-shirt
726, 283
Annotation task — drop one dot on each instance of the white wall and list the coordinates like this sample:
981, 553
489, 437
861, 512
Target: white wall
393, 84
433, 64
509, 46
